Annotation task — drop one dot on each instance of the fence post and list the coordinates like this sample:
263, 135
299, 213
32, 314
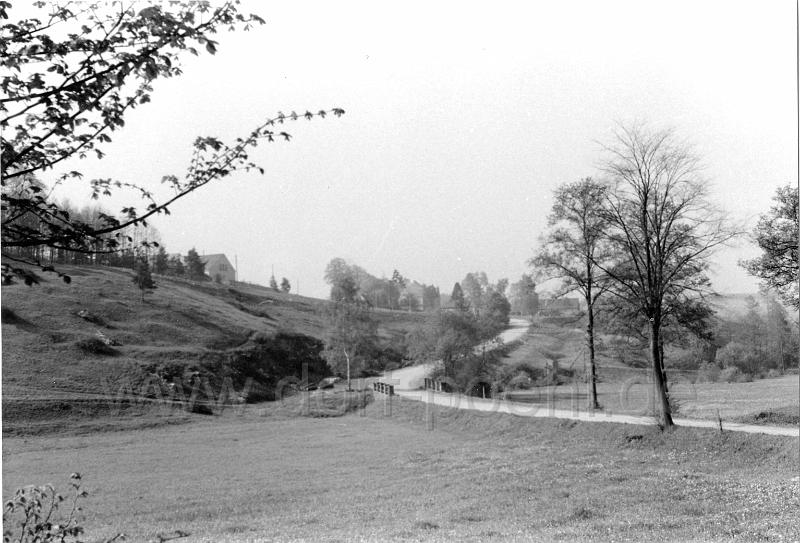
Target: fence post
429, 411
387, 402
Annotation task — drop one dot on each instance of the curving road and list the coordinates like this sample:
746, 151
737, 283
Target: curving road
408, 382
412, 377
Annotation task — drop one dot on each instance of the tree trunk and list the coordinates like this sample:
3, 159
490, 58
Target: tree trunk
347, 357
593, 404
658, 374
661, 363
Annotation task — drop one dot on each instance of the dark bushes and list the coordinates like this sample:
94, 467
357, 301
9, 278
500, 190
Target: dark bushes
96, 346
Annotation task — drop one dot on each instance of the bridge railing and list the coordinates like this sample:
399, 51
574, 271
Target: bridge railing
383, 388
437, 386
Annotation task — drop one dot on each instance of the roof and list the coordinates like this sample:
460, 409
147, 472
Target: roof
214, 259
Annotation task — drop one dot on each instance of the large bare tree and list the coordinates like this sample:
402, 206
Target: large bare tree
572, 249
664, 226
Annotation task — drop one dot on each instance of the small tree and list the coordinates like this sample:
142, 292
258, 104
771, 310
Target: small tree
447, 336
142, 276
431, 300
285, 285
523, 297
341, 277
457, 297
351, 338
273, 284
495, 316
195, 268
162, 261
475, 287
399, 282
571, 250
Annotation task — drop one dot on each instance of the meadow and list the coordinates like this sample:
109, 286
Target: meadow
265, 473
763, 400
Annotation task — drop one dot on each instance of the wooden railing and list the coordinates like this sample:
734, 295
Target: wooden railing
437, 386
383, 388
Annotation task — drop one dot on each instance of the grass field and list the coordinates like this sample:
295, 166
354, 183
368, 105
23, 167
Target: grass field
740, 402
627, 390
267, 475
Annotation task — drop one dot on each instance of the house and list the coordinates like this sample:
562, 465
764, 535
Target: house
219, 268
414, 291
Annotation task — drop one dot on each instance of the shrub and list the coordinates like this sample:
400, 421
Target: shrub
743, 357
684, 360
96, 346
32, 514
8, 316
773, 373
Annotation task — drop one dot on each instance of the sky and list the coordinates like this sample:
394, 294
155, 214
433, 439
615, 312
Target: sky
461, 120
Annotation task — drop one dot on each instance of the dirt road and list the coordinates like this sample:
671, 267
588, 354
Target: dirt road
412, 377
460, 401
408, 381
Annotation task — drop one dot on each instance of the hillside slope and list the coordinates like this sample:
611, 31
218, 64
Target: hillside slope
180, 330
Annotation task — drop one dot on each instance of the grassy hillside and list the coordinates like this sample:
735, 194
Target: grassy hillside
180, 330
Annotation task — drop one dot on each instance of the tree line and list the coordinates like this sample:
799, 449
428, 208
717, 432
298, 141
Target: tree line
348, 280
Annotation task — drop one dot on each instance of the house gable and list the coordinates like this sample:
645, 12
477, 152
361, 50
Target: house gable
219, 268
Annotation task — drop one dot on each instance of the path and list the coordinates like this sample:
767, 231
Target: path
408, 381
460, 401
412, 377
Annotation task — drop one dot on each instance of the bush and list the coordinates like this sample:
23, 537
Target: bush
519, 376
773, 373
32, 514
96, 346
684, 360
743, 357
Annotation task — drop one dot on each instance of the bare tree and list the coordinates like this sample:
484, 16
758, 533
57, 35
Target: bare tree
571, 249
664, 227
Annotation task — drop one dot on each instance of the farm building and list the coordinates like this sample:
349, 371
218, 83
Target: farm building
219, 268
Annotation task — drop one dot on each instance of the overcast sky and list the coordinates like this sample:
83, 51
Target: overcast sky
461, 120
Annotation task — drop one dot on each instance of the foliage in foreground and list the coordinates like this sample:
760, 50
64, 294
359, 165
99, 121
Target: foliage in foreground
71, 72
33, 515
